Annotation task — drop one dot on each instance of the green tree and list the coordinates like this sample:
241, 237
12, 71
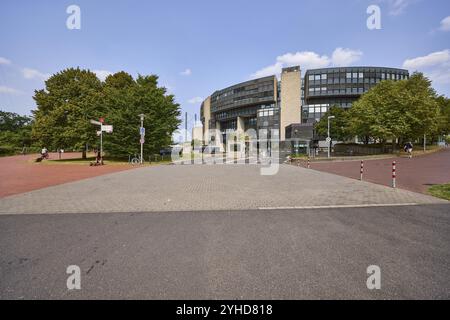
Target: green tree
74, 96
338, 126
400, 110
15, 131
421, 110
70, 98
10, 121
125, 99
443, 127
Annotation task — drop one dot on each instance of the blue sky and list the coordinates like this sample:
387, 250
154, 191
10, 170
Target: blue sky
199, 46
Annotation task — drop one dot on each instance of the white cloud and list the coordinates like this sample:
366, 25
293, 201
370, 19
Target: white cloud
8, 90
435, 65
4, 61
430, 60
34, 74
306, 59
102, 74
344, 57
186, 72
268, 71
309, 60
445, 24
195, 100
397, 7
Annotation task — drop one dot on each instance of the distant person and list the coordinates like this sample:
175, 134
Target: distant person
44, 153
408, 149
99, 159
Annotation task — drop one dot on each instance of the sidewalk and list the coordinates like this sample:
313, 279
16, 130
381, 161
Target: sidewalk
416, 174
19, 174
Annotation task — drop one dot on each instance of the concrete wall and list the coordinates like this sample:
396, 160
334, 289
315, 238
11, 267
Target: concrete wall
207, 116
290, 99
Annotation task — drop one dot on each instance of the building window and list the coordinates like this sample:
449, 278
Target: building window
324, 76
349, 75
361, 75
311, 78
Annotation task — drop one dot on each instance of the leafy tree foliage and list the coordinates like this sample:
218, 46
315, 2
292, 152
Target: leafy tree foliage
64, 107
401, 110
15, 132
74, 96
339, 126
443, 127
125, 99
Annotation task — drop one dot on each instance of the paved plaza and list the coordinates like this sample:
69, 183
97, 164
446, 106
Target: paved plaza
207, 187
20, 174
416, 174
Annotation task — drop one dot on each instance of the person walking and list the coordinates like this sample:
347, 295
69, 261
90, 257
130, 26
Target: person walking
408, 149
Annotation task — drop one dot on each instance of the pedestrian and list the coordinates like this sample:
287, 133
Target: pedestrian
44, 153
408, 149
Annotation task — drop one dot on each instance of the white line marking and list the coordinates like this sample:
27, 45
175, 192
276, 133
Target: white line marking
341, 206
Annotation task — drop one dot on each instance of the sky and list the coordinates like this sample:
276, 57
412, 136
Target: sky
199, 46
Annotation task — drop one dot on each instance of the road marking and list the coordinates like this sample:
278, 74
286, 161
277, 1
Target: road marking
340, 206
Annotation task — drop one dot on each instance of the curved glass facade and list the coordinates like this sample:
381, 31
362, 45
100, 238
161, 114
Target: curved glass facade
341, 86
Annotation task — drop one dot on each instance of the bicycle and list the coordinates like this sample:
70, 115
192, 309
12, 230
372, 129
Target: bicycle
136, 160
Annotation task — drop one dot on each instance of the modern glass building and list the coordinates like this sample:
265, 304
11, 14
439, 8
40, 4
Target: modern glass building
291, 103
327, 87
264, 103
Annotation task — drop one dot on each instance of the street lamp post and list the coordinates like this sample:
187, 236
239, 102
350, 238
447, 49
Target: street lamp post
142, 136
329, 138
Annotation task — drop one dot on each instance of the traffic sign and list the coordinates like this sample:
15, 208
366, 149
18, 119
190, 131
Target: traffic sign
102, 120
107, 129
328, 140
142, 131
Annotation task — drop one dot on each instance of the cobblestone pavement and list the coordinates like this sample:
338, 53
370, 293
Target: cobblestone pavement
20, 174
206, 187
416, 174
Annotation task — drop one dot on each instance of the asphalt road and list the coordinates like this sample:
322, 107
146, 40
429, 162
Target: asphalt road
259, 254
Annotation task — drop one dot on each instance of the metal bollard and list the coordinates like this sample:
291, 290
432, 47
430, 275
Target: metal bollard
362, 170
394, 175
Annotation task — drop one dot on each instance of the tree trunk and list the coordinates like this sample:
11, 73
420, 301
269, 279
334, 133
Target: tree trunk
84, 153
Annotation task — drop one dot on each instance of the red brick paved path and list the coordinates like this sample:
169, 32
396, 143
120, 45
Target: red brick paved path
19, 174
416, 174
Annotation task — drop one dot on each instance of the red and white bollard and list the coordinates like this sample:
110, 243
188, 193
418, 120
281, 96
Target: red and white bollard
362, 170
309, 164
394, 174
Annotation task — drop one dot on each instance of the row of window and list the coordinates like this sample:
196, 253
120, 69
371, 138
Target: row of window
356, 75
324, 90
267, 112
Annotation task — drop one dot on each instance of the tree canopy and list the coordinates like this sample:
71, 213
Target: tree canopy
406, 109
15, 132
72, 97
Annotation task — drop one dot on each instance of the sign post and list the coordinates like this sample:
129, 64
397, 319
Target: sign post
142, 132
101, 140
103, 128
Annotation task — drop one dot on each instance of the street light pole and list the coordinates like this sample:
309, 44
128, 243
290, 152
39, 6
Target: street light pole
142, 137
329, 138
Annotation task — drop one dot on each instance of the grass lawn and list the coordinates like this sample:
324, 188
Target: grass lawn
440, 191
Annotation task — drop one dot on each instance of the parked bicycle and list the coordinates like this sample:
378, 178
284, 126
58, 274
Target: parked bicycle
136, 160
